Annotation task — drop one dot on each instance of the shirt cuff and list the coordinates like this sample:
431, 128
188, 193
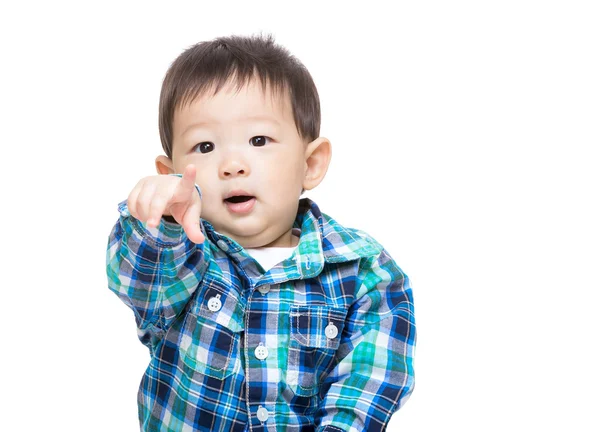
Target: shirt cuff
165, 234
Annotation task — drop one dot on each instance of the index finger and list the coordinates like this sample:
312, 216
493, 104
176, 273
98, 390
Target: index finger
191, 223
186, 186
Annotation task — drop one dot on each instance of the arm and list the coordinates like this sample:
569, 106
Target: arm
154, 271
374, 375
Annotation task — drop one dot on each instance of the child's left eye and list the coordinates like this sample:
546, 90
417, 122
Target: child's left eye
259, 140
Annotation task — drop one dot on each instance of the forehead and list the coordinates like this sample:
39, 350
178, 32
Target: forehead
234, 104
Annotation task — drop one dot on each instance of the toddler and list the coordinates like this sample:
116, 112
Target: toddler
260, 312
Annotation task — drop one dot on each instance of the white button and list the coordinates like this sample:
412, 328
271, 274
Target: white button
223, 245
214, 304
262, 413
261, 352
264, 289
331, 331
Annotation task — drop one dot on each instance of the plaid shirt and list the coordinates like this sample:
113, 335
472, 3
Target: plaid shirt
323, 341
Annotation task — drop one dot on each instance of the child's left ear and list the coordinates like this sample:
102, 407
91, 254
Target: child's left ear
317, 157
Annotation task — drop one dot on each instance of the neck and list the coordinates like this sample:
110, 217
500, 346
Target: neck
286, 240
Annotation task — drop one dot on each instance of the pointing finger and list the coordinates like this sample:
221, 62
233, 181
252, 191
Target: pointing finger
191, 222
186, 186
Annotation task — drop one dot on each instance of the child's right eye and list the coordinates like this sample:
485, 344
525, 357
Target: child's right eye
205, 147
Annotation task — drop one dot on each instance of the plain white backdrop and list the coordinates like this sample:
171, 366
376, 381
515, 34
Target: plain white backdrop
465, 139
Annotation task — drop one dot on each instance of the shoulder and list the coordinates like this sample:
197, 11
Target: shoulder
342, 242
337, 242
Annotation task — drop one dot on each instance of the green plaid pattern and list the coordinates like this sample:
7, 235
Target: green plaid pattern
323, 341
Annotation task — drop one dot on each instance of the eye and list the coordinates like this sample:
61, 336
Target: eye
259, 140
205, 147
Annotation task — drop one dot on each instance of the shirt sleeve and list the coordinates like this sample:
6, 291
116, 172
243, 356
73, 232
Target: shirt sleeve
153, 270
374, 375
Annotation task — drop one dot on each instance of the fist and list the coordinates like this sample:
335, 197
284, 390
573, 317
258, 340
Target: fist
159, 195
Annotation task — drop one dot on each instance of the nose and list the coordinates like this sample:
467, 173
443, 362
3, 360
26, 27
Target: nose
234, 167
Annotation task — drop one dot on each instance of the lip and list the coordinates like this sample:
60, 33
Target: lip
236, 193
242, 207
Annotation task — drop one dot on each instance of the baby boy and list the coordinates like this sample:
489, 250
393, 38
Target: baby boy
261, 313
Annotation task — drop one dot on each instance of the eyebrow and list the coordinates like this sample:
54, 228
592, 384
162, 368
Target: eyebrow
255, 118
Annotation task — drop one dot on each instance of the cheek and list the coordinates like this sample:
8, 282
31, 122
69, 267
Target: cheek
290, 164
289, 170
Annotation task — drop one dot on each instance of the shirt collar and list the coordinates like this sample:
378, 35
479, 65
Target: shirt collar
322, 239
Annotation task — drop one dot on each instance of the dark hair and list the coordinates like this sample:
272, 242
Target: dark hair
210, 64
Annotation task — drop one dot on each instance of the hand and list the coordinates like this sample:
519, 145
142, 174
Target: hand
168, 195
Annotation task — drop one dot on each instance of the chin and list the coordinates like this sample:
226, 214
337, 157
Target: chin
250, 242
241, 231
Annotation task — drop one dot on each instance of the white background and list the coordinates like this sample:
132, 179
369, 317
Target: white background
465, 139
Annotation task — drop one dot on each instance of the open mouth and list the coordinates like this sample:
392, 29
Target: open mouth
240, 204
239, 199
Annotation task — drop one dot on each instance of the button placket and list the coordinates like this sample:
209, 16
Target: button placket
264, 289
262, 414
261, 352
223, 245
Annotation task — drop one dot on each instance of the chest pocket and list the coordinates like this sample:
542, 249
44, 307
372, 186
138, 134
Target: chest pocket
315, 333
210, 339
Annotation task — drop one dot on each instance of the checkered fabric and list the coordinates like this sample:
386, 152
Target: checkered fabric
323, 341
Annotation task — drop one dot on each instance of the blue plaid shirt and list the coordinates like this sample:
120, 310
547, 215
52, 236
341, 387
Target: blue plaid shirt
323, 341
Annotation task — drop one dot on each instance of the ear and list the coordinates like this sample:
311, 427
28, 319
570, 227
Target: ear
164, 165
317, 157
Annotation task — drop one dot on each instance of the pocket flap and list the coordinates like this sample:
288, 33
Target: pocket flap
220, 305
317, 326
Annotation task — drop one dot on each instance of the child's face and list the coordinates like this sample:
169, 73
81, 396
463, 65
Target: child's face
233, 149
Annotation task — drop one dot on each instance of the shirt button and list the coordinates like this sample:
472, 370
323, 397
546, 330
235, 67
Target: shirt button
331, 331
262, 413
261, 352
264, 289
223, 245
214, 303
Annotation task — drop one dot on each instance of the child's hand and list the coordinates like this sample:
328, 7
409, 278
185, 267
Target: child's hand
168, 195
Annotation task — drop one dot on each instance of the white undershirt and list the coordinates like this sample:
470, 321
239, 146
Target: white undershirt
269, 256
